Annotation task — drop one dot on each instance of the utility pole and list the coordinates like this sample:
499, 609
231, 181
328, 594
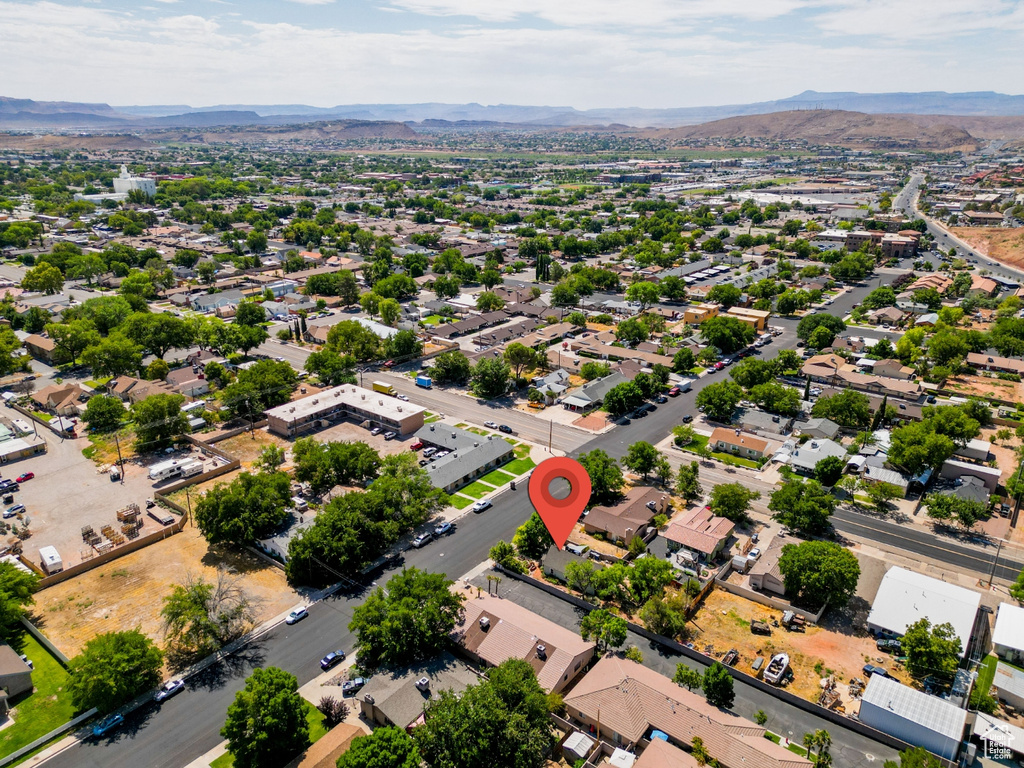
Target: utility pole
995, 562
120, 461
551, 427
248, 407
1018, 489
188, 501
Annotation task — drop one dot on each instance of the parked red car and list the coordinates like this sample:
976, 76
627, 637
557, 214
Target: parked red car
416, 446
26, 476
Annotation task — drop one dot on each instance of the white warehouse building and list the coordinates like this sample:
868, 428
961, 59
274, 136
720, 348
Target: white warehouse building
915, 717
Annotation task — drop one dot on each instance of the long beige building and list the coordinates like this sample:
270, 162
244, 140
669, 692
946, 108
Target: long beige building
348, 400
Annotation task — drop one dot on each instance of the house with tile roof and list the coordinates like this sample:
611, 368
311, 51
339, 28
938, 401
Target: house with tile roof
699, 531
737, 442
621, 702
494, 630
628, 517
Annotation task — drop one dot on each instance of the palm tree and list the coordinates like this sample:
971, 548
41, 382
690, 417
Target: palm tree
817, 745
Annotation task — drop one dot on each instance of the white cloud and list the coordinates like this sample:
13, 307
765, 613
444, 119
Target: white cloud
909, 20
311, 2
669, 54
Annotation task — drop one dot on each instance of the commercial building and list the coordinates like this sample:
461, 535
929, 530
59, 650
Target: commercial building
904, 597
495, 630
469, 455
915, 717
347, 400
755, 318
1008, 635
13, 450
622, 702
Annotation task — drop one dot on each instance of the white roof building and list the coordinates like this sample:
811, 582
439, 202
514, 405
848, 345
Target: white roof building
915, 717
1008, 635
904, 597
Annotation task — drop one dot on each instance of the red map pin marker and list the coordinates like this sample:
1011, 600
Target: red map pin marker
560, 515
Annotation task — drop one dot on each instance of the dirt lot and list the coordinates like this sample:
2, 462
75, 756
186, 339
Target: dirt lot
1004, 245
129, 591
247, 449
68, 492
984, 386
723, 622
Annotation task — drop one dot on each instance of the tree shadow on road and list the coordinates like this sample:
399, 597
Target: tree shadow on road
235, 665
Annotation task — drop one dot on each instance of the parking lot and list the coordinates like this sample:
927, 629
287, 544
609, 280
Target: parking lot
69, 492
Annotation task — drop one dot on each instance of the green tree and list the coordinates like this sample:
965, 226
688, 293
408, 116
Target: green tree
112, 669
726, 294
266, 723
726, 333
847, 409
663, 617
263, 385
732, 500
157, 370
776, 398
388, 747
606, 629
451, 367
390, 311
916, 446
249, 508
350, 338
931, 650
881, 494
804, 506
408, 622
594, 370
200, 617
691, 679
683, 361
491, 378
718, 686
521, 357
642, 458
648, 578
606, 479
72, 338
643, 293
1017, 588
115, 355
688, 482
828, 470
720, 400
916, 757
158, 420
506, 714
44, 278
942, 506
753, 371
159, 333
532, 539
331, 368
16, 588
819, 573
809, 323
623, 398
489, 302
504, 554
85, 266
104, 413
631, 331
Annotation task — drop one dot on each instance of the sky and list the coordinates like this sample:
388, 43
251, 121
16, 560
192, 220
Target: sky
579, 53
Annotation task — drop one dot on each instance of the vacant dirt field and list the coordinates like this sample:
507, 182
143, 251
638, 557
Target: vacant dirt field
723, 623
129, 592
981, 385
247, 449
1005, 245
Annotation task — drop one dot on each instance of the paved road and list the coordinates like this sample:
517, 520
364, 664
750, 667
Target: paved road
849, 749
189, 725
944, 239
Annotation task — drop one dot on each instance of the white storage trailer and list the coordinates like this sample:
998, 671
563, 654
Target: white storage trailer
50, 560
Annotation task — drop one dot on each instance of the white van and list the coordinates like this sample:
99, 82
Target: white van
299, 504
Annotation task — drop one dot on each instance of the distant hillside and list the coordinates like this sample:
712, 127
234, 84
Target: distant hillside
331, 131
829, 127
89, 142
13, 106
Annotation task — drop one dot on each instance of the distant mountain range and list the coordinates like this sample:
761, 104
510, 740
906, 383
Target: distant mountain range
28, 114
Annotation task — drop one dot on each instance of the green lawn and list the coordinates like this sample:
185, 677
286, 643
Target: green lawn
461, 425
43, 416
316, 731
478, 431
987, 673
700, 441
46, 708
460, 502
522, 451
97, 383
497, 478
431, 419
477, 489
519, 466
